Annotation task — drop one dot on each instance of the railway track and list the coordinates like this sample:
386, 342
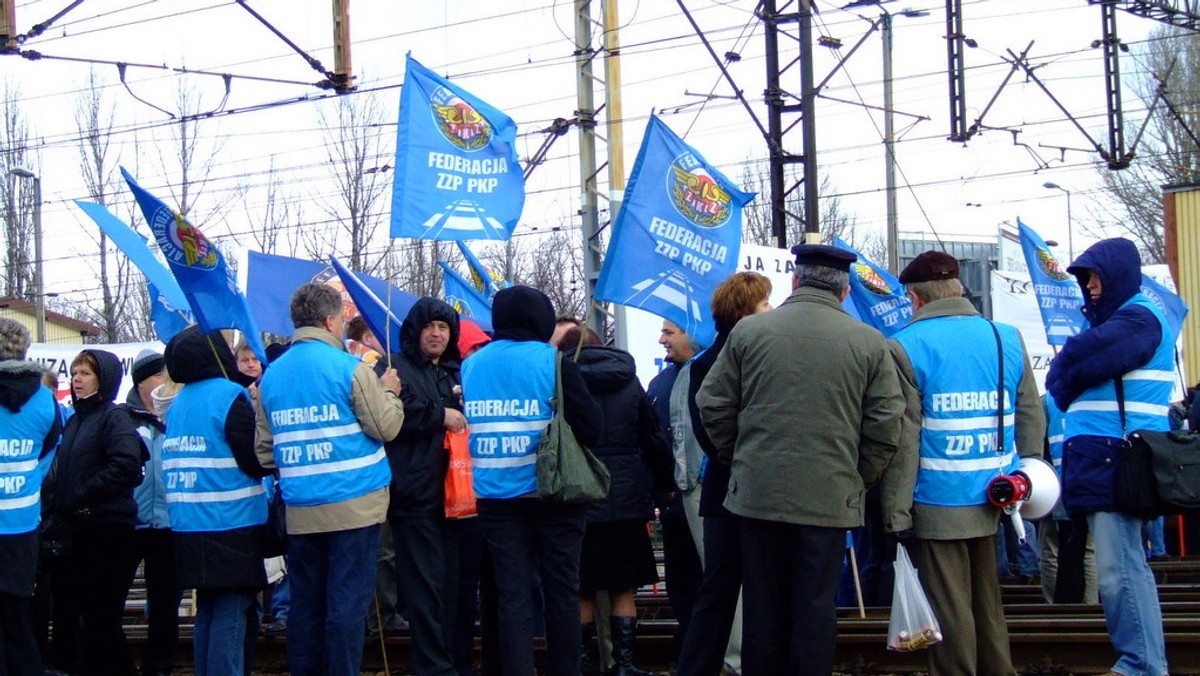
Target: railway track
1045, 639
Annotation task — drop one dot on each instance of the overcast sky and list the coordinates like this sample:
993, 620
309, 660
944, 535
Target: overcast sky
516, 54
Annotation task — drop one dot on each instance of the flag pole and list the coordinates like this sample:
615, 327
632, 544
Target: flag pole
387, 339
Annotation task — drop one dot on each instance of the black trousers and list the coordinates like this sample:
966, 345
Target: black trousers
19, 654
682, 571
100, 564
524, 534
155, 546
1072, 546
427, 562
469, 536
716, 601
789, 616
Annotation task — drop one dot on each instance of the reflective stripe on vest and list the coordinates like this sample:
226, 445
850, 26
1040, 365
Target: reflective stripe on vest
1147, 392
507, 388
322, 452
960, 451
206, 490
21, 472
1056, 425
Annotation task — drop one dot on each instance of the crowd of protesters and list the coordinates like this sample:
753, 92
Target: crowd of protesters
756, 453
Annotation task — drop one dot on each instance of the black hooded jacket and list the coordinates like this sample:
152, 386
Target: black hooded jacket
521, 314
19, 381
418, 456
218, 560
100, 460
632, 443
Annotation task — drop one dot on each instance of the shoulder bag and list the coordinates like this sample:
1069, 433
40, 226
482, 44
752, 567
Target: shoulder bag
1157, 472
567, 472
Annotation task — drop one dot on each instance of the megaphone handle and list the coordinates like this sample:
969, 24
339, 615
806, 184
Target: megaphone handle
1018, 524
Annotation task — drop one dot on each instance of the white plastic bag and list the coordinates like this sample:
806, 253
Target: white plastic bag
912, 625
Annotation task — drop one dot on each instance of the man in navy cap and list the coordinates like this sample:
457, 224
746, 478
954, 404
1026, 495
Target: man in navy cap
954, 445
805, 404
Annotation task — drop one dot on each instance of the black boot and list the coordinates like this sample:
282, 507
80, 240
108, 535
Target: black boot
587, 637
624, 634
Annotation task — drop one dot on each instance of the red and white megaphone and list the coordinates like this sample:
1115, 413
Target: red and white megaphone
1028, 493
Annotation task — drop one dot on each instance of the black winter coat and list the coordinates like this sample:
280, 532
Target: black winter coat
716, 473
418, 456
19, 381
632, 444
218, 560
100, 460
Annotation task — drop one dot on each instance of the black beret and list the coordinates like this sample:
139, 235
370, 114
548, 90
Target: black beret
930, 266
826, 256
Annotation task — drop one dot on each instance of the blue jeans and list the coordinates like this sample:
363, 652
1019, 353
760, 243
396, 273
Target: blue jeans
281, 598
1154, 536
1028, 556
1129, 594
222, 623
333, 578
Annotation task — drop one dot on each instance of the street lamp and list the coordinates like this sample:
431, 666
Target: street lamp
1070, 244
39, 296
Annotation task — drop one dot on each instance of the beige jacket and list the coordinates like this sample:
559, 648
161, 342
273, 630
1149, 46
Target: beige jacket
379, 412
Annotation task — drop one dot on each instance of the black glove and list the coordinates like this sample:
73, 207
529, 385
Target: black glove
906, 536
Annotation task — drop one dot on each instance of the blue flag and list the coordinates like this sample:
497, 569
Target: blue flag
169, 312
167, 319
484, 280
374, 310
207, 282
462, 296
677, 236
878, 297
1168, 301
271, 280
1058, 294
457, 175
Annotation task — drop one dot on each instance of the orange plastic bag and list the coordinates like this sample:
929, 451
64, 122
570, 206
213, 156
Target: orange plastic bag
460, 494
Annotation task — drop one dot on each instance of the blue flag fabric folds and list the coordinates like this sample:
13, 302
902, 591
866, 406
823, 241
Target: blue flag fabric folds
271, 280
878, 297
484, 280
169, 311
457, 174
462, 296
1059, 296
374, 310
1171, 304
166, 319
677, 236
207, 281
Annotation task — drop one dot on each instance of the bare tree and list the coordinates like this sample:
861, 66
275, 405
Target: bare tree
354, 140
756, 217
17, 194
118, 312
553, 263
273, 227
1169, 153
193, 155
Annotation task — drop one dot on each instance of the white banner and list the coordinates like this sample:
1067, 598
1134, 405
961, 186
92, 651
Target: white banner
1014, 303
58, 358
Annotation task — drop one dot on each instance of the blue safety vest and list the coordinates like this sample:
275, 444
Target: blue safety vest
322, 453
507, 389
957, 373
206, 490
1147, 392
21, 470
1056, 427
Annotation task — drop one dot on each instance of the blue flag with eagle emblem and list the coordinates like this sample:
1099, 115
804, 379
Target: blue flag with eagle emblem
1059, 296
463, 296
878, 297
677, 236
457, 175
208, 283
